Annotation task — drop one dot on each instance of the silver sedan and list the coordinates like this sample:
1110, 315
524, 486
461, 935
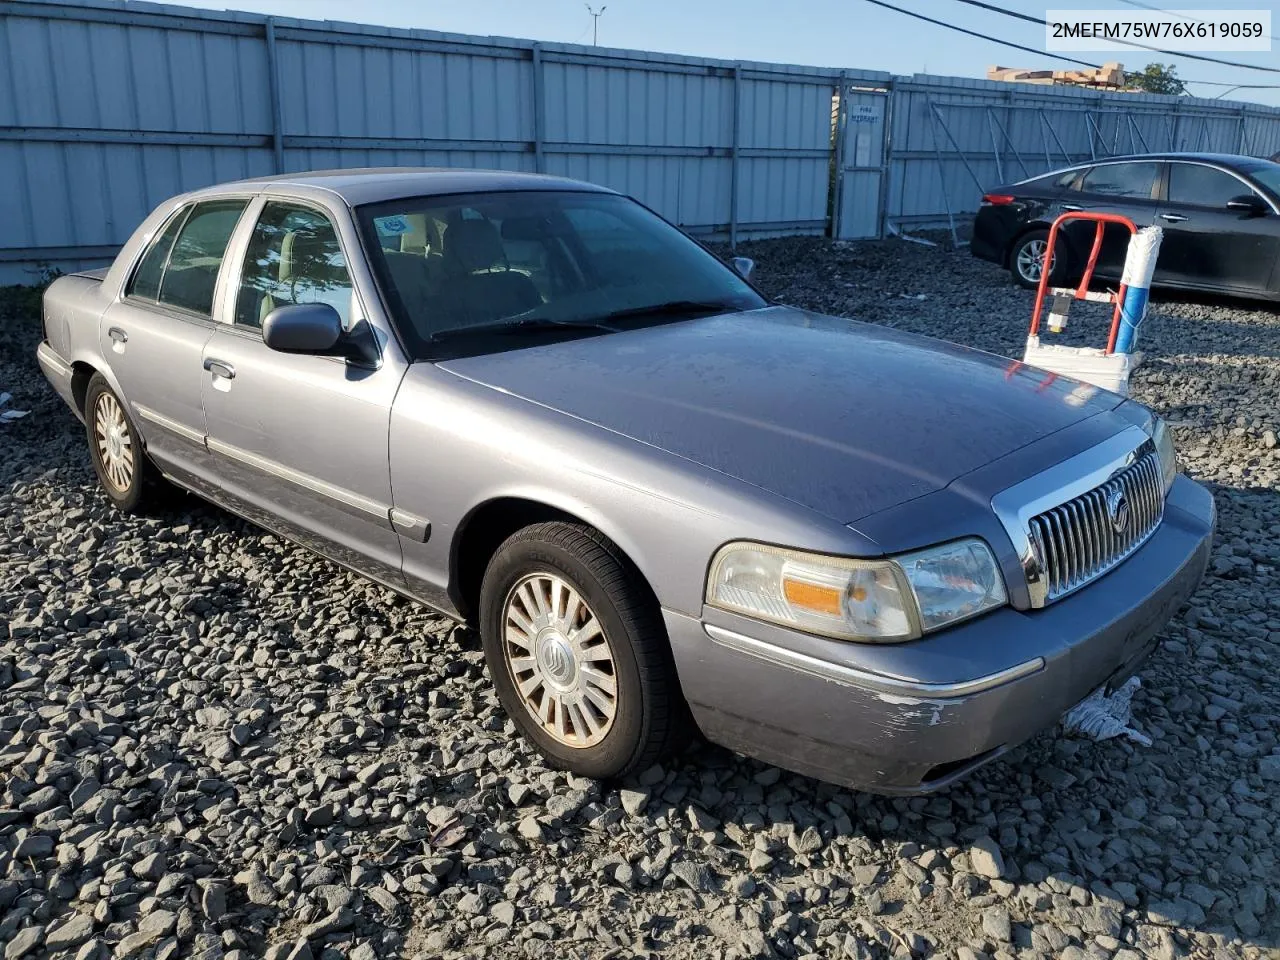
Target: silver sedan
666, 503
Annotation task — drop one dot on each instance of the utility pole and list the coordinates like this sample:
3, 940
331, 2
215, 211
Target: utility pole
595, 22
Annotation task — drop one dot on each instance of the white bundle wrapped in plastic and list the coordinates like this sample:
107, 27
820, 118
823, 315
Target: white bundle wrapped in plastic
1100, 717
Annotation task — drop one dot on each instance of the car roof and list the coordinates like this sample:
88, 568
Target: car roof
358, 186
1222, 159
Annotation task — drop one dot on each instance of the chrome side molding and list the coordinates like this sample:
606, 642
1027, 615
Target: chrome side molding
865, 679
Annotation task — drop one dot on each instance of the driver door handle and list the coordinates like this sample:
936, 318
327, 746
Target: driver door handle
1072, 207
118, 335
220, 368
1173, 217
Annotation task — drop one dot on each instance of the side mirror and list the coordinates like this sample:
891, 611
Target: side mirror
1249, 203
745, 266
302, 328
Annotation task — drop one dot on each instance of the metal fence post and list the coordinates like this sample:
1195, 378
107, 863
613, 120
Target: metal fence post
273, 82
539, 162
733, 157
837, 152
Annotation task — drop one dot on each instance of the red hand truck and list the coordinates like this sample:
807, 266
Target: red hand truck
1082, 291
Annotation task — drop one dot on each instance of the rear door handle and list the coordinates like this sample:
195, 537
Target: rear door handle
220, 368
118, 335
1173, 217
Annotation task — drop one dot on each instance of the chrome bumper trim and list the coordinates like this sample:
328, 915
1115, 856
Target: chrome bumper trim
865, 679
53, 363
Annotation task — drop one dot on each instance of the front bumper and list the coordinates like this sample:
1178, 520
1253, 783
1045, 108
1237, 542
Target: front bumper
820, 708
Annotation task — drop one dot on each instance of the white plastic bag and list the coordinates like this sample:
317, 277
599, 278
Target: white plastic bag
1100, 717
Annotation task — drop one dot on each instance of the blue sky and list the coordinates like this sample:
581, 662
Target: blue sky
829, 33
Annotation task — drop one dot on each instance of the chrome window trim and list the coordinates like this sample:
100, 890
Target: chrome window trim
865, 679
1016, 505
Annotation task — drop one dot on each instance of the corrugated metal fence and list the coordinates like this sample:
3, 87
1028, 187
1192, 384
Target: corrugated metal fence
110, 108
107, 108
952, 138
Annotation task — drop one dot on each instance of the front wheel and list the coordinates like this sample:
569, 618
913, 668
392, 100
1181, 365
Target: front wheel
576, 649
1026, 260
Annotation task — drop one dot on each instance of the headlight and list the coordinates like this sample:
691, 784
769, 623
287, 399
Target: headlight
953, 582
882, 601
1163, 438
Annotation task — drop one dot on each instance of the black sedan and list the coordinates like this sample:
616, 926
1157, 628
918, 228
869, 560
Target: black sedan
1220, 214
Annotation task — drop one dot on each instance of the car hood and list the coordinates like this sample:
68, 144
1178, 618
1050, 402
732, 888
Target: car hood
843, 417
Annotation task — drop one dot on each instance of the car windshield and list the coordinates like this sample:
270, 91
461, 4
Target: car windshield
473, 267
1266, 173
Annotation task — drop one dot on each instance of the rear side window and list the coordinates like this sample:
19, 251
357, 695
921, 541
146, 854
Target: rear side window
146, 279
180, 268
293, 257
1202, 186
1130, 180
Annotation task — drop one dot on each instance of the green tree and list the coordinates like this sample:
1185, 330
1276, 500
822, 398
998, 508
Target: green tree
1158, 78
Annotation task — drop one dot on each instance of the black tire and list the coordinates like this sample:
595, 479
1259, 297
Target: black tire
1019, 256
143, 482
650, 712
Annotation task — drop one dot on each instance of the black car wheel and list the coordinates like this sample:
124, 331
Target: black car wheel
1027, 259
576, 649
127, 477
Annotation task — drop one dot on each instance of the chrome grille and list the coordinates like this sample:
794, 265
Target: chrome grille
1079, 540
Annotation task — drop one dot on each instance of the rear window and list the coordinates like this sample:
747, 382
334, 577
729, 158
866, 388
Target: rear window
1058, 180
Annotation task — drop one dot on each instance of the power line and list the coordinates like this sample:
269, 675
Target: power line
1128, 43
982, 36
1052, 56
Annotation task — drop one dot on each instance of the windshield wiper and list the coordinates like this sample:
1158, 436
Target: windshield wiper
673, 308
520, 325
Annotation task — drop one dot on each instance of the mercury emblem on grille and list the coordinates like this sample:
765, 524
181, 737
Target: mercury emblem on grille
1118, 510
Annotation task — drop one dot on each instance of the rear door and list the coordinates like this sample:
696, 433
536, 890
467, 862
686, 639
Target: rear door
1206, 244
1128, 188
298, 442
154, 336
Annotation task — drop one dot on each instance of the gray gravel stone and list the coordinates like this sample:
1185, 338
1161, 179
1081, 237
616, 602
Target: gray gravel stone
200, 721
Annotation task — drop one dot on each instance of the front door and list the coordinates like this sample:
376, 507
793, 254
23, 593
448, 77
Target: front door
1206, 244
154, 336
299, 443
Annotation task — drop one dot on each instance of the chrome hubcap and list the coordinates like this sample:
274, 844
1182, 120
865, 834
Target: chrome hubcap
560, 660
1031, 259
115, 447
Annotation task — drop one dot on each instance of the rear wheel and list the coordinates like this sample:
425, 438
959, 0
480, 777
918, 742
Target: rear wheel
576, 649
1026, 260
126, 475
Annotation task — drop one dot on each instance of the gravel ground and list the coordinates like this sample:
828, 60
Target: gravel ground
213, 744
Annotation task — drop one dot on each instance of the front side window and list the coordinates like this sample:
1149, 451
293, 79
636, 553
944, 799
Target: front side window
1130, 180
539, 260
1201, 186
294, 257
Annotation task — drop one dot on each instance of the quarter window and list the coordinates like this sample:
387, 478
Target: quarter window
294, 257
146, 279
1131, 180
1202, 186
